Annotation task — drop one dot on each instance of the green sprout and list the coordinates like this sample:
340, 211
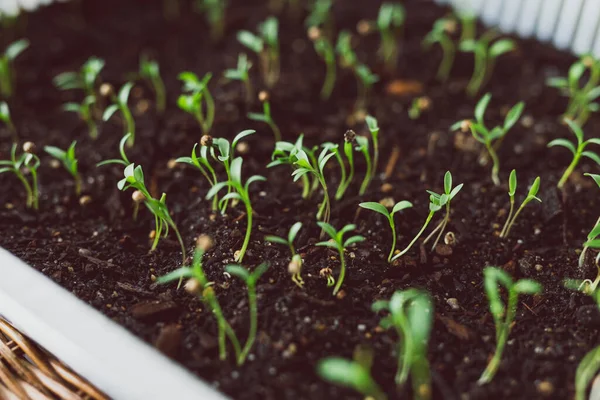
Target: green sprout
320, 15
241, 73
326, 51
295, 265
85, 79
350, 374
134, 178
374, 129
304, 166
494, 278
150, 71
587, 286
197, 100
378, 208
440, 33
202, 163
581, 93
486, 55
491, 139
120, 104
215, 16
593, 238
266, 45
587, 370
338, 243
411, 315
363, 147
389, 23
443, 199
241, 193
266, 115
7, 72
84, 110
5, 117
69, 161
578, 150
26, 161
468, 23
512, 188
124, 161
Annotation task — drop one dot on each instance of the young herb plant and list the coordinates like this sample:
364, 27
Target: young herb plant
346, 177
285, 154
5, 117
120, 104
441, 34
350, 374
443, 199
593, 238
150, 71
296, 263
587, 370
373, 126
338, 243
577, 149
411, 316
326, 51
26, 161
241, 73
512, 188
266, 115
389, 23
241, 193
7, 72
86, 78
363, 147
379, 208
85, 112
504, 314
305, 166
197, 99
124, 161
491, 139
215, 16
266, 45
200, 160
69, 161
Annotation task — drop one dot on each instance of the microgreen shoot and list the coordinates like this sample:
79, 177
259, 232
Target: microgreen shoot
241, 193
320, 16
124, 161
490, 138
345, 177
120, 104
5, 117
443, 199
284, 154
363, 147
69, 161
326, 51
494, 278
215, 16
577, 149
84, 110
85, 79
379, 208
581, 93
587, 370
197, 100
373, 126
266, 46
338, 243
266, 116
150, 71
468, 25
26, 161
440, 33
241, 73
201, 161
587, 286
485, 58
512, 188
389, 23
411, 316
350, 374
296, 259
593, 238
7, 78
305, 165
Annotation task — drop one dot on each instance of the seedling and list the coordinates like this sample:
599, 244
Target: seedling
593, 238
197, 100
120, 104
134, 178
577, 149
512, 188
241, 74
69, 161
587, 370
85, 79
266, 46
266, 116
337, 243
201, 161
581, 93
587, 286
440, 33
150, 71
468, 23
241, 193
326, 51
124, 161
84, 110
389, 23
26, 161
504, 315
285, 154
411, 316
490, 138
7, 78
486, 55
5, 117
363, 147
350, 374
320, 16
215, 16
296, 263
305, 166
443, 199
377, 207
373, 126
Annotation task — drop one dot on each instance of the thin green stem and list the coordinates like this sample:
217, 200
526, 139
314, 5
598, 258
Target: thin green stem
368, 175
515, 217
252, 304
275, 129
34, 189
159, 90
510, 213
448, 59
129, 126
330, 76
393, 226
416, 237
77, 179
157, 232
248, 229
29, 198
342, 275
569, 170
495, 163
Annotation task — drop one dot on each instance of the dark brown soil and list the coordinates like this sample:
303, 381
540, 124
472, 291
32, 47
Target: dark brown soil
99, 253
